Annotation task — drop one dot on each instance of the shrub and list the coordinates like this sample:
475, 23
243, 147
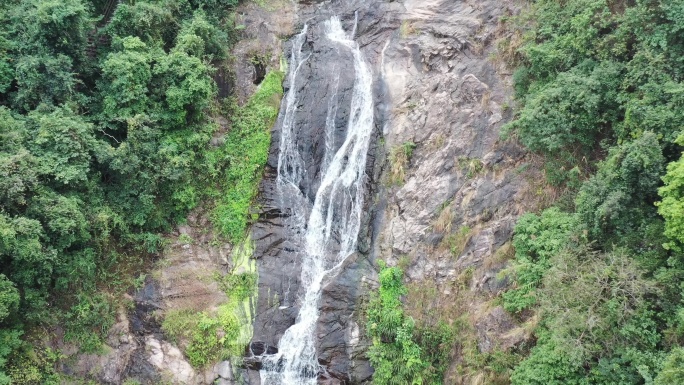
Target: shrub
402, 353
536, 240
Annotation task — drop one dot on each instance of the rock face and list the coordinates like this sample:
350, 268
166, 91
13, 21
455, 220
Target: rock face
448, 101
448, 207
136, 348
449, 218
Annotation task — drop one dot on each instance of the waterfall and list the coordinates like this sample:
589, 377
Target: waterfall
327, 230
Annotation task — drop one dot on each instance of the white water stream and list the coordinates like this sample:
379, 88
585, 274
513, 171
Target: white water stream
329, 233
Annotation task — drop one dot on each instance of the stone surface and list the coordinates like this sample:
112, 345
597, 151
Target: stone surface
499, 330
463, 191
169, 359
109, 367
260, 45
224, 370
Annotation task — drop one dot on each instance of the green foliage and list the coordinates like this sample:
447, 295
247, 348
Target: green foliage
618, 200
44, 79
204, 341
126, 75
187, 88
210, 337
402, 353
457, 241
594, 315
105, 134
151, 22
400, 157
572, 111
601, 89
537, 239
88, 321
599, 71
9, 298
471, 166
48, 40
672, 205
9, 342
177, 322
222, 333
673, 369
167, 22
63, 143
238, 286
244, 155
595, 303
200, 38
545, 366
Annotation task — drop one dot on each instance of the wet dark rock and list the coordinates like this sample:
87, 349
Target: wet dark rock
143, 371
147, 300
259, 72
326, 78
259, 348
340, 342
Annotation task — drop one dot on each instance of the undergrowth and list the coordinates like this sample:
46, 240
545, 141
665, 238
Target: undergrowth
400, 157
403, 353
210, 336
244, 156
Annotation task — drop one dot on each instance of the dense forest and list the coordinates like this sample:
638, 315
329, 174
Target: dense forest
105, 130
601, 89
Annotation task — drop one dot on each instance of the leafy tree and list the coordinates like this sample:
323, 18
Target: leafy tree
63, 143
9, 298
152, 22
619, 199
594, 315
9, 342
18, 174
47, 46
572, 111
537, 239
104, 142
62, 218
200, 38
126, 77
600, 84
673, 369
6, 60
25, 260
672, 205
548, 366
44, 78
58, 26
185, 88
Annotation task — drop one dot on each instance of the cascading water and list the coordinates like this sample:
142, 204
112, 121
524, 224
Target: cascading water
330, 233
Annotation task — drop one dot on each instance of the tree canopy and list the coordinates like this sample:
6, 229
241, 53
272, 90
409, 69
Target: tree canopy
105, 129
600, 87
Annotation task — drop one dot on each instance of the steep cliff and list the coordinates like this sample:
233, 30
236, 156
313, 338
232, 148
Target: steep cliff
443, 191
